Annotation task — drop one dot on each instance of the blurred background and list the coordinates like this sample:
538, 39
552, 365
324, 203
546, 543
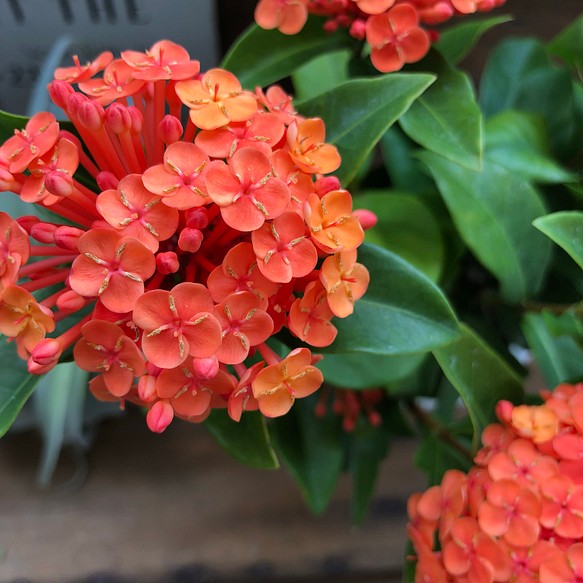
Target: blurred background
175, 508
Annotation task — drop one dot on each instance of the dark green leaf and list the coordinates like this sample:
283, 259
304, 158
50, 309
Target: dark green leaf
358, 113
261, 57
566, 230
568, 45
16, 385
493, 211
404, 169
359, 370
446, 119
519, 75
321, 74
402, 312
480, 376
311, 449
457, 41
435, 457
10, 122
559, 357
247, 441
519, 142
406, 227
367, 447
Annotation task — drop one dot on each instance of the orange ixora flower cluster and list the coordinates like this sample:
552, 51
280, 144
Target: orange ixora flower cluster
395, 29
184, 247
518, 513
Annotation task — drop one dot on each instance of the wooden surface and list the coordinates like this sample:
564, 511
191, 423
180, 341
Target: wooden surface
175, 508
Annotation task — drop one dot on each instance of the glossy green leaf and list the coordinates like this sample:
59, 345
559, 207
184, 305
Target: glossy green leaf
16, 385
358, 113
559, 358
566, 230
404, 169
446, 118
10, 122
367, 447
406, 227
321, 74
247, 441
519, 75
261, 57
519, 142
359, 370
402, 312
457, 41
480, 376
493, 211
311, 449
568, 45
435, 457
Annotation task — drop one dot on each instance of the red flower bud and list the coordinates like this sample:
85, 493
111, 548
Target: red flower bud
167, 262
170, 129
190, 240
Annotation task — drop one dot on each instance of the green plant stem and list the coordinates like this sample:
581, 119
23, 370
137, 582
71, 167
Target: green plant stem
437, 429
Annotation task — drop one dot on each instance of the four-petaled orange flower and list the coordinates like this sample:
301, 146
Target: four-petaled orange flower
119, 80
307, 148
106, 349
277, 386
176, 324
345, 281
244, 324
239, 272
39, 136
331, 221
164, 60
111, 267
395, 38
288, 16
14, 249
246, 190
137, 213
189, 394
23, 318
283, 251
216, 99
180, 181
310, 315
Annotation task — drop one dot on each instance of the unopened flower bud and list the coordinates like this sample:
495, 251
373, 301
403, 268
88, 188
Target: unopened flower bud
70, 302
147, 388
504, 411
91, 115
106, 181
366, 218
190, 240
326, 184
74, 102
59, 92
68, 237
47, 351
167, 262
160, 416
35, 368
358, 29
137, 119
59, 184
43, 233
118, 118
27, 222
170, 129
197, 218
206, 368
